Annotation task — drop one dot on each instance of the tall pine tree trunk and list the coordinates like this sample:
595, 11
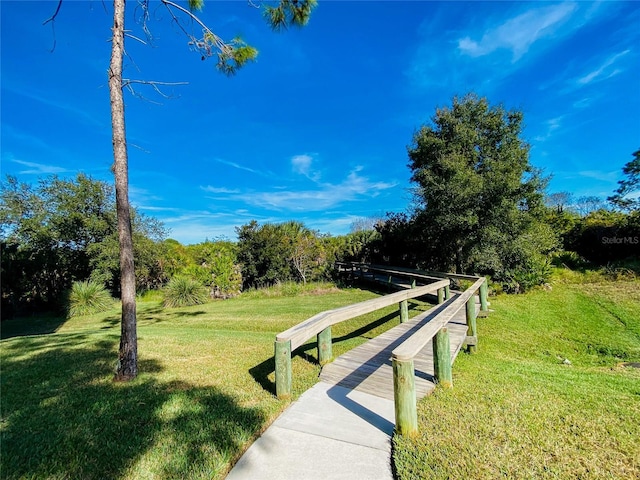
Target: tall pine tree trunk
128, 355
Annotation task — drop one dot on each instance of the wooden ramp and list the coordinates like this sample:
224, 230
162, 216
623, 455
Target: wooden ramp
367, 368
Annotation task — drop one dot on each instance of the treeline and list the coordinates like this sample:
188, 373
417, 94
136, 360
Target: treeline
64, 230
479, 207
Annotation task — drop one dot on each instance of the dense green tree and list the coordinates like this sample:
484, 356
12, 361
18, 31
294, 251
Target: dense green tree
263, 254
605, 236
215, 266
627, 196
479, 202
275, 253
64, 230
47, 233
150, 250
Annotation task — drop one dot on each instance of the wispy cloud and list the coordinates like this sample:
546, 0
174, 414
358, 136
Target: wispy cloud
195, 226
51, 102
550, 127
211, 189
38, 168
599, 175
303, 164
243, 167
322, 196
605, 70
327, 195
482, 53
519, 33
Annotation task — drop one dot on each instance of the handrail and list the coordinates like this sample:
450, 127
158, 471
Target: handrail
321, 323
399, 271
414, 344
303, 331
434, 330
410, 271
402, 357
421, 274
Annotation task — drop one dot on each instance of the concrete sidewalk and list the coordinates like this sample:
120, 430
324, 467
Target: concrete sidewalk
329, 433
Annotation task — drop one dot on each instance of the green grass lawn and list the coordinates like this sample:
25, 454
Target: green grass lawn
519, 410
204, 392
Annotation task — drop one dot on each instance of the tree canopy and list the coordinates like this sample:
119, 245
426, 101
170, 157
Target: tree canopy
622, 198
63, 230
478, 201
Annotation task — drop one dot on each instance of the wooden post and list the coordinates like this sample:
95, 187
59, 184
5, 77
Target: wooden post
440, 295
404, 394
404, 311
471, 321
483, 296
325, 355
283, 368
442, 359
447, 292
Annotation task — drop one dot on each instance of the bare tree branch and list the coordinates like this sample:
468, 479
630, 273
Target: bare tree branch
52, 19
127, 83
135, 38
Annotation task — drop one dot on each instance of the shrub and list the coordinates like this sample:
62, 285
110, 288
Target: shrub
537, 272
569, 259
86, 298
184, 292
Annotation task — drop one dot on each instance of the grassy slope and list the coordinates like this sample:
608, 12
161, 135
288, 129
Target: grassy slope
518, 411
207, 380
204, 392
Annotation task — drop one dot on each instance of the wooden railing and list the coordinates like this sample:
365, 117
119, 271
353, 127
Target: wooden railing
320, 325
368, 271
435, 331
402, 357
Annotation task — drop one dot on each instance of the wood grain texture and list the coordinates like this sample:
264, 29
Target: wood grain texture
302, 332
367, 368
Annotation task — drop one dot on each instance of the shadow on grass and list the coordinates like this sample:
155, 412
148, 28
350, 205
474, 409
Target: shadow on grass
261, 372
34, 325
152, 316
64, 417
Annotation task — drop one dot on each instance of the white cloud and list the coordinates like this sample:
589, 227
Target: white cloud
38, 168
604, 71
301, 164
482, 54
211, 189
242, 167
550, 127
519, 33
52, 102
599, 175
327, 195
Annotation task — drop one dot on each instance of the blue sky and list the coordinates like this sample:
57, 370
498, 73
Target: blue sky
316, 129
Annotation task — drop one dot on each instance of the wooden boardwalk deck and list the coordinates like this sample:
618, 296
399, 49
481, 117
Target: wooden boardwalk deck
367, 368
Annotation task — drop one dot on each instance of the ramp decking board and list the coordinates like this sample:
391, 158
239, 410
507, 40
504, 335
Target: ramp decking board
367, 368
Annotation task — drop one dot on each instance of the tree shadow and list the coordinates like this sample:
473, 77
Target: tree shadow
150, 317
63, 416
35, 325
263, 370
